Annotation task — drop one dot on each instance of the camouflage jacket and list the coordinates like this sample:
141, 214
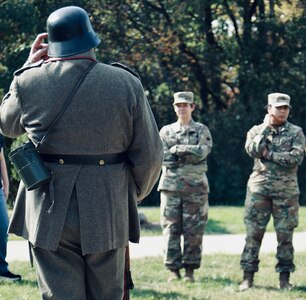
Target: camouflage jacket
185, 157
278, 175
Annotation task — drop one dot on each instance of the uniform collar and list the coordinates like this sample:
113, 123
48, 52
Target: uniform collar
285, 126
86, 55
53, 59
177, 125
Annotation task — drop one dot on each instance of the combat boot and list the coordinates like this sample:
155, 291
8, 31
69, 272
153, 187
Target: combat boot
247, 283
174, 275
189, 275
284, 281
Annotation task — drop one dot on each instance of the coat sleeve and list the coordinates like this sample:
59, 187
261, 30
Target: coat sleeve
170, 159
295, 155
11, 112
146, 151
256, 140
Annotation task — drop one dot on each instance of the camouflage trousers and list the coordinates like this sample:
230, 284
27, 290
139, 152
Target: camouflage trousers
258, 209
183, 215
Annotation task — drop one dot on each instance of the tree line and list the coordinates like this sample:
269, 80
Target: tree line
231, 54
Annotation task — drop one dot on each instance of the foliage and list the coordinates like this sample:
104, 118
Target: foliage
231, 54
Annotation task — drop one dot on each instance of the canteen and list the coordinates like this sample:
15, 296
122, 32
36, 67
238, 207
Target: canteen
30, 166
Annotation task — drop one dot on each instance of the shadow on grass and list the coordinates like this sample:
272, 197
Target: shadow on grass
30, 283
274, 289
299, 289
212, 227
266, 288
215, 227
217, 280
22, 283
154, 294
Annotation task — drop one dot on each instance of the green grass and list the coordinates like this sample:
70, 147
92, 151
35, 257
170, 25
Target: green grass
217, 279
27, 289
221, 220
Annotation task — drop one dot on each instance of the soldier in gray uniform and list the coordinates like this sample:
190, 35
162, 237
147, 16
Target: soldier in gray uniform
277, 148
104, 152
184, 188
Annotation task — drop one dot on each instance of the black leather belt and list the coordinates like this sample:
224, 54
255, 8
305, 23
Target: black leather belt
99, 160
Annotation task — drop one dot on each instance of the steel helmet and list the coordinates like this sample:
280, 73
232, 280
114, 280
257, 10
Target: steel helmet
70, 32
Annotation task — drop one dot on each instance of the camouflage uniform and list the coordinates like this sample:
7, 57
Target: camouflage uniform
184, 192
272, 190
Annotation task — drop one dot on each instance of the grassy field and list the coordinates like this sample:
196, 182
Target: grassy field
217, 279
221, 220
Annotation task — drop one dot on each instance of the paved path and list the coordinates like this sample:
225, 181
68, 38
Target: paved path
152, 246
212, 244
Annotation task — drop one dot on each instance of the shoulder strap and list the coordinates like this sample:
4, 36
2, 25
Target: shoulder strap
126, 68
27, 67
66, 103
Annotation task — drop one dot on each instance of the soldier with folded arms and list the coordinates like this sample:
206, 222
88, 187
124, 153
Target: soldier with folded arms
184, 188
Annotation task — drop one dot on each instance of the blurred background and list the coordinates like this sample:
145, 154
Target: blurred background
231, 54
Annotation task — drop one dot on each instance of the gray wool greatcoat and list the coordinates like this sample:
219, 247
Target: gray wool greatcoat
108, 114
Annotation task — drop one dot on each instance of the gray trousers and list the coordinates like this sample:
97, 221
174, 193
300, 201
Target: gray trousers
66, 274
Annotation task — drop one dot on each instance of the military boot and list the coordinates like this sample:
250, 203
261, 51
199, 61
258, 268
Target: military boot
284, 281
174, 275
189, 275
247, 283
